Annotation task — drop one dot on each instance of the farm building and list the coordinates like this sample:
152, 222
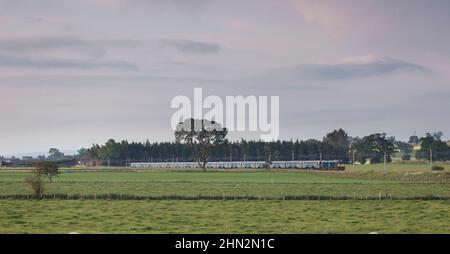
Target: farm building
90, 162
5, 163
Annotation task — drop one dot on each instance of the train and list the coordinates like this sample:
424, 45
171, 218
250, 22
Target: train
334, 165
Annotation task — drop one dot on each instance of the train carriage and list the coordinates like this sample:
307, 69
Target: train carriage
311, 165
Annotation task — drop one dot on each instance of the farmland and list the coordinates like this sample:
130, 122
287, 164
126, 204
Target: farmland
253, 201
224, 216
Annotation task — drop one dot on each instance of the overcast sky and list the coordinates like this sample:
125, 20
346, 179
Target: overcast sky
73, 73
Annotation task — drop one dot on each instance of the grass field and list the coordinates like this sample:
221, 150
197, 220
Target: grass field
224, 216
167, 176
220, 183
397, 166
228, 216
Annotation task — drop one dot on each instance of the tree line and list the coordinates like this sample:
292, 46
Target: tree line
336, 145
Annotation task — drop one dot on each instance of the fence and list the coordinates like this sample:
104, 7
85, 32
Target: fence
120, 196
400, 177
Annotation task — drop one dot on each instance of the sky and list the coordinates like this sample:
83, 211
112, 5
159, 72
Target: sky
74, 73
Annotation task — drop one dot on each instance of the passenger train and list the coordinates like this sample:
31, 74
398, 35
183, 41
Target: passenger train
315, 165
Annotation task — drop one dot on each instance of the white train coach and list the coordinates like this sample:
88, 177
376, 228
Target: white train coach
318, 165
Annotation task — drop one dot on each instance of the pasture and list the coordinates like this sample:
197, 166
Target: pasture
397, 166
166, 215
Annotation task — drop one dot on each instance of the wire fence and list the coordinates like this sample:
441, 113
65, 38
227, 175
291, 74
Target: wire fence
399, 177
120, 196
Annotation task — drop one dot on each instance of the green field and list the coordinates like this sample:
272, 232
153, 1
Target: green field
224, 216
397, 166
222, 183
177, 176
228, 216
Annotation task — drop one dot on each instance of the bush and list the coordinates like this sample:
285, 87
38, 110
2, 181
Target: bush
406, 157
36, 184
47, 168
438, 168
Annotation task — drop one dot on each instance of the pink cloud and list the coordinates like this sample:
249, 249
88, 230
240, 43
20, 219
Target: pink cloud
342, 18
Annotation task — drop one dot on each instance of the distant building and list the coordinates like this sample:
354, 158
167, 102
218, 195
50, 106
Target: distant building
27, 158
90, 162
5, 163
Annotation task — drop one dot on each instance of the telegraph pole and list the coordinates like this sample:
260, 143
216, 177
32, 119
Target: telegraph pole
431, 158
353, 156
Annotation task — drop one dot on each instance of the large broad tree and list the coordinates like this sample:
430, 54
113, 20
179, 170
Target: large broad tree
55, 154
110, 151
404, 147
375, 147
336, 145
433, 145
201, 135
